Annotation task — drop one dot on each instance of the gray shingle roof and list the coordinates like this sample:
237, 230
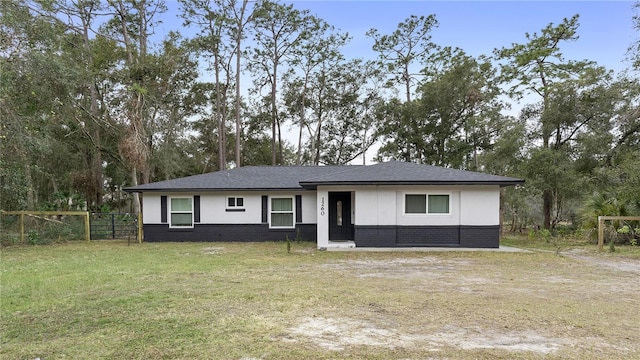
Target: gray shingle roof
397, 172
309, 177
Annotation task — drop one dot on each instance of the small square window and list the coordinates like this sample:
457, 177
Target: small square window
235, 202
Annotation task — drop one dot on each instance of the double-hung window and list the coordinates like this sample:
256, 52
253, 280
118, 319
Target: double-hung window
181, 212
282, 212
426, 203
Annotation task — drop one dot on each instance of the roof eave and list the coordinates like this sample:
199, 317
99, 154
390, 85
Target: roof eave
187, 190
502, 183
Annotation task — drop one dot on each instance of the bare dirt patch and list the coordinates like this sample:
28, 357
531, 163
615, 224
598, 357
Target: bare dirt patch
398, 267
338, 333
213, 250
531, 304
627, 265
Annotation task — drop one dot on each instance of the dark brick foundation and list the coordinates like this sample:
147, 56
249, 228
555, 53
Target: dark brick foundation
227, 233
364, 236
410, 236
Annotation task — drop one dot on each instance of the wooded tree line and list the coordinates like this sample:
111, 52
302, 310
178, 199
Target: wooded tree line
93, 100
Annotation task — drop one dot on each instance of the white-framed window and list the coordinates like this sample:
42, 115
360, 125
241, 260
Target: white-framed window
181, 212
439, 204
235, 202
427, 204
281, 212
415, 203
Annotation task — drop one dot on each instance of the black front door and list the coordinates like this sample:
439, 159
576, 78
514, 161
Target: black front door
340, 227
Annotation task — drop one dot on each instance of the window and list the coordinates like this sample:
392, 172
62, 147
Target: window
282, 212
438, 204
426, 204
181, 211
415, 204
235, 203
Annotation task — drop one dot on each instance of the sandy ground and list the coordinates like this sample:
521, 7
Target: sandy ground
340, 332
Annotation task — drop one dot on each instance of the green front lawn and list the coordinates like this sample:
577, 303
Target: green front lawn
107, 300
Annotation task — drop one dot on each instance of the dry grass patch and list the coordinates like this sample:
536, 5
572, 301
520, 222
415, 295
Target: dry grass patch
256, 301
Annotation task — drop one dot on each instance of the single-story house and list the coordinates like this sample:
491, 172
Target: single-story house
390, 204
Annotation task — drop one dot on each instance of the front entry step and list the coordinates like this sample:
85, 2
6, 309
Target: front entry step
341, 245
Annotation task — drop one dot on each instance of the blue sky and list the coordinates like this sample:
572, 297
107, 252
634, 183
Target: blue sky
606, 28
478, 27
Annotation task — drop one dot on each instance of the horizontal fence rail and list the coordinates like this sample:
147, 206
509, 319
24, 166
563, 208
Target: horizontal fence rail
96, 225
22, 214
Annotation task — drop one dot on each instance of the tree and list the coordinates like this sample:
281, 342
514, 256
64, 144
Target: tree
131, 26
172, 99
410, 42
238, 33
535, 67
350, 110
49, 73
278, 31
212, 17
453, 119
318, 51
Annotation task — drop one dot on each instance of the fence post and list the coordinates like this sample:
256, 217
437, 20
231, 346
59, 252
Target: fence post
87, 227
600, 233
139, 227
113, 226
22, 228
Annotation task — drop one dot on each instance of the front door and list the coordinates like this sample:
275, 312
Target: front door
340, 227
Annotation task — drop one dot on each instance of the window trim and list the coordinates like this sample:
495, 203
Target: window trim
292, 212
171, 212
235, 207
426, 195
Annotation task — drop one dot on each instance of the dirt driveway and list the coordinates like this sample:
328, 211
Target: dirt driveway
531, 305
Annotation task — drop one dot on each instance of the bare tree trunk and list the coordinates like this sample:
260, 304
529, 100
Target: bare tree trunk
93, 110
275, 124
240, 24
136, 196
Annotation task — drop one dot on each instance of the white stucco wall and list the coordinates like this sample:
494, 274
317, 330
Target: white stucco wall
469, 205
384, 205
371, 205
375, 206
213, 207
322, 208
309, 208
151, 208
480, 205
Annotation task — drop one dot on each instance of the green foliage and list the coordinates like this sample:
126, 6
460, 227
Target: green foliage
69, 102
398, 51
455, 117
33, 238
544, 234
